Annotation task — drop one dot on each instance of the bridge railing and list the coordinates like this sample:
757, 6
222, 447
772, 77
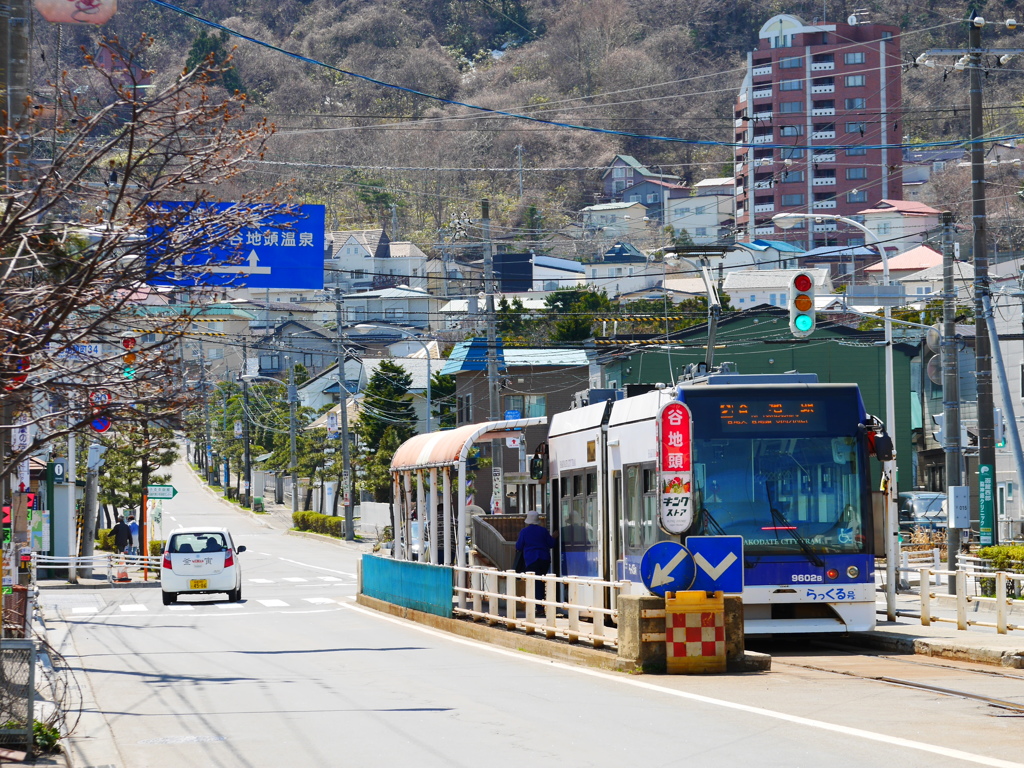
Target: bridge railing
556, 606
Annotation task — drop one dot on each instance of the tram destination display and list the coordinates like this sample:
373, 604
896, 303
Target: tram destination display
793, 415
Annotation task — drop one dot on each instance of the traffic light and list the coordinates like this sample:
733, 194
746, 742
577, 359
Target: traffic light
801, 305
128, 341
939, 432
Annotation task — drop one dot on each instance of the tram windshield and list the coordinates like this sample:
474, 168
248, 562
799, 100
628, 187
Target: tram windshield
787, 474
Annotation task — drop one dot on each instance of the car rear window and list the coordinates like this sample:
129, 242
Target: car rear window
184, 543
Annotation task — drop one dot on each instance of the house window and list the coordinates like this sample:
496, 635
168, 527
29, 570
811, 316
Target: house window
781, 41
855, 241
939, 165
148, 338
619, 173
791, 106
593, 272
792, 130
528, 406
464, 408
791, 200
789, 152
858, 127
884, 227
853, 58
701, 231
860, 196
394, 314
856, 173
652, 198
791, 176
791, 62
270, 362
634, 198
857, 103
791, 85
853, 151
214, 353
855, 81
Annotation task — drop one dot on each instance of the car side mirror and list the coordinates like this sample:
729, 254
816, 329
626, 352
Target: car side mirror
240, 549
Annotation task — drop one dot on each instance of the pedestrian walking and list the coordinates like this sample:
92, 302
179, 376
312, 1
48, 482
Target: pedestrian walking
133, 548
535, 544
122, 535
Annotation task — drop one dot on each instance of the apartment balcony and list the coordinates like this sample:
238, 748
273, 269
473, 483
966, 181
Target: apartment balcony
826, 226
739, 191
739, 122
766, 138
762, 93
763, 115
764, 208
825, 112
763, 184
823, 88
743, 96
820, 205
823, 157
768, 230
757, 162
823, 181
764, 69
822, 66
817, 135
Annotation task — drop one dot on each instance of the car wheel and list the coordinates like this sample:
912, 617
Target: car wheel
170, 598
235, 595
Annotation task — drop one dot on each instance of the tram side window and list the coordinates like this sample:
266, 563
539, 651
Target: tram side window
631, 508
650, 507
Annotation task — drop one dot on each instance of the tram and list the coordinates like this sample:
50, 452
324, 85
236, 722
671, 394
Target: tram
780, 460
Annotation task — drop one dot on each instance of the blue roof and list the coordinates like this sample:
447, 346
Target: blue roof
780, 246
567, 265
472, 356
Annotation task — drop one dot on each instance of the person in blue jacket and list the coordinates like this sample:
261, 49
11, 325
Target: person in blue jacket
535, 543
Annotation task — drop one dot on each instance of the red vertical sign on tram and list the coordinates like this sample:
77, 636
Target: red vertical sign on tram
675, 439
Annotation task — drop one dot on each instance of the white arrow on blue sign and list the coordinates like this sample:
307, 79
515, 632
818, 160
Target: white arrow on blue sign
667, 567
718, 562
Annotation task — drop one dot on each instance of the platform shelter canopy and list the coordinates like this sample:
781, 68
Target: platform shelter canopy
451, 446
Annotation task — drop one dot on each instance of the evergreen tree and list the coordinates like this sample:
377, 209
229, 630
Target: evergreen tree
206, 45
376, 467
442, 397
386, 404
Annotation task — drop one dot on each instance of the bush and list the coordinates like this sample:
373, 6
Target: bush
45, 737
1007, 557
105, 540
156, 548
314, 522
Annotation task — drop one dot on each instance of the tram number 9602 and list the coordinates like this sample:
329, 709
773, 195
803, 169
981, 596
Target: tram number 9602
805, 577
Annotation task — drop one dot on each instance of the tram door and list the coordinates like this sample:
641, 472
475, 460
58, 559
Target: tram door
579, 523
639, 494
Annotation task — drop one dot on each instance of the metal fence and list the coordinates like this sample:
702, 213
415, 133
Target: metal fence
114, 567
17, 692
561, 610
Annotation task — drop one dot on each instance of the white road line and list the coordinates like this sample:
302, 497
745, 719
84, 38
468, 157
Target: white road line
318, 567
273, 603
264, 554
133, 608
84, 610
260, 581
182, 607
318, 600
224, 606
292, 578
328, 578
857, 733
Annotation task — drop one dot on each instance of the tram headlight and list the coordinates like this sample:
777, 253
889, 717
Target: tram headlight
832, 574
853, 572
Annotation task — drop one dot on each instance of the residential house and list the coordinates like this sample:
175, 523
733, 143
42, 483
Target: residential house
655, 195
211, 338
322, 389
764, 254
308, 343
610, 222
552, 274
707, 216
623, 269
845, 264
905, 264
900, 225
453, 277
919, 165
927, 284
625, 171
368, 260
400, 305
755, 287
535, 382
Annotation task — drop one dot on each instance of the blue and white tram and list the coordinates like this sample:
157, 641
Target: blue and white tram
785, 465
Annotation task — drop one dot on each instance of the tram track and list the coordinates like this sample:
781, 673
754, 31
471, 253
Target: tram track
851, 663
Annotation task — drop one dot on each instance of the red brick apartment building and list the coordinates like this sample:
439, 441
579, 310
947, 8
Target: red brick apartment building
818, 97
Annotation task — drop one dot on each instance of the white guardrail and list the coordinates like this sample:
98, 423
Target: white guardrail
496, 597
112, 564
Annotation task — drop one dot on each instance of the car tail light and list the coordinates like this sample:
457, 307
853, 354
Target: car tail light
167, 561
832, 573
229, 558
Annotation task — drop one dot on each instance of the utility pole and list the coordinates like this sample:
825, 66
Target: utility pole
245, 428
293, 397
493, 387
972, 59
950, 387
519, 152
346, 460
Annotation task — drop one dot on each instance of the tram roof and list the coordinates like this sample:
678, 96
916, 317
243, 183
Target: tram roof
450, 447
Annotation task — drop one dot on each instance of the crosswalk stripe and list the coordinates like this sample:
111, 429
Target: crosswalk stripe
228, 605
182, 607
260, 581
273, 603
133, 608
84, 610
318, 600
292, 578
328, 578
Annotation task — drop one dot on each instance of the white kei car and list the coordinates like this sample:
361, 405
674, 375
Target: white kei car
199, 561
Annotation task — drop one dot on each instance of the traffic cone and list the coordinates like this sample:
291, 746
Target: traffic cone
122, 569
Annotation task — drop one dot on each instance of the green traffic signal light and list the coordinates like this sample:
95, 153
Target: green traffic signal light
803, 323
128, 372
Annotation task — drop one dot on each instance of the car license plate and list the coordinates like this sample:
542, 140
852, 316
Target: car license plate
197, 584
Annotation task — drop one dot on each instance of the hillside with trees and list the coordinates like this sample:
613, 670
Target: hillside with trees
638, 67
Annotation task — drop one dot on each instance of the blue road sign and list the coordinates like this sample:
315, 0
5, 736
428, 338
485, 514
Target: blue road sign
718, 561
512, 415
667, 567
285, 251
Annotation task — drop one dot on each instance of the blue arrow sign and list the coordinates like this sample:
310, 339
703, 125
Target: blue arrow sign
667, 567
285, 251
718, 562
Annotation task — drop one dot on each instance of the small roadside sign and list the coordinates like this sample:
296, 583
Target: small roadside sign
512, 415
718, 562
667, 567
161, 491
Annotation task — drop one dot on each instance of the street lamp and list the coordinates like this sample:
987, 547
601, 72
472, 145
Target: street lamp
365, 328
787, 221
